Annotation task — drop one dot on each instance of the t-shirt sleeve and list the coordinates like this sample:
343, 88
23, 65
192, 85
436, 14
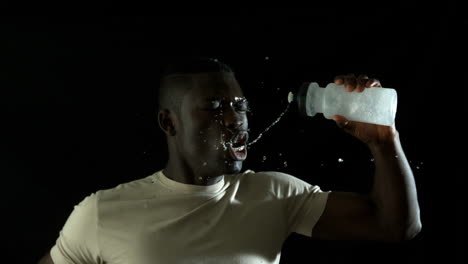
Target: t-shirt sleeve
304, 203
77, 242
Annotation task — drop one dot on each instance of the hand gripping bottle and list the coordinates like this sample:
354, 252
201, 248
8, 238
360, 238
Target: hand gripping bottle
374, 105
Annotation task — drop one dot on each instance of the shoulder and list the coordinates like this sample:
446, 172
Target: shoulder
132, 190
275, 177
279, 183
267, 175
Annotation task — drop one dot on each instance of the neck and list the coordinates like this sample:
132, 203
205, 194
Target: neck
180, 171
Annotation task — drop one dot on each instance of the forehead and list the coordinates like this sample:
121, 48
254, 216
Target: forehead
216, 84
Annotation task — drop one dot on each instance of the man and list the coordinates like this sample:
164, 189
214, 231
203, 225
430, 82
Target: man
201, 209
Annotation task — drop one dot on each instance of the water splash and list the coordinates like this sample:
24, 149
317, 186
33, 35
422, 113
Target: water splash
268, 128
225, 144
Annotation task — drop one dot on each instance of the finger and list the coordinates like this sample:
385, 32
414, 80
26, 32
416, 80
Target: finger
350, 82
373, 83
339, 80
361, 82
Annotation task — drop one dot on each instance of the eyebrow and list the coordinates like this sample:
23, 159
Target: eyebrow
236, 99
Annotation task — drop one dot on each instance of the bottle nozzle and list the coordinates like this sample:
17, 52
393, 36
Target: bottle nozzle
290, 97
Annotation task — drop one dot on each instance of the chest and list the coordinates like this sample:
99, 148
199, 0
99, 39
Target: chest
192, 228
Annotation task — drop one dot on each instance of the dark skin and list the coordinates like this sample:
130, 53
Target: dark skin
212, 112
390, 212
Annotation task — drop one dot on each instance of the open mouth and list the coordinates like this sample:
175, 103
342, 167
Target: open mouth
238, 146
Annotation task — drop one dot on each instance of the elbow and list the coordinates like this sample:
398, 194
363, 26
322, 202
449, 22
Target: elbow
412, 231
404, 234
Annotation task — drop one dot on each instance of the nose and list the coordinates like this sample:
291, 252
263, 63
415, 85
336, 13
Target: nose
233, 120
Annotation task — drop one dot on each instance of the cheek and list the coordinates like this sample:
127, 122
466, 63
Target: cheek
206, 137
204, 131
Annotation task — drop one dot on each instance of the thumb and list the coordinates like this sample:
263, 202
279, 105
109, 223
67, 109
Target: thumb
341, 121
349, 127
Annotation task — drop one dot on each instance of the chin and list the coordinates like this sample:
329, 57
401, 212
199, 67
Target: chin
233, 167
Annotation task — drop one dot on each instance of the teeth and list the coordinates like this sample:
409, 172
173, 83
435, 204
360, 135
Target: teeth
241, 148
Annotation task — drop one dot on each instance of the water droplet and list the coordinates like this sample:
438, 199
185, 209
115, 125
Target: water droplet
417, 167
285, 164
204, 163
204, 141
268, 128
421, 163
321, 165
340, 160
201, 132
372, 160
279, 154
264, 157
267, 58
200, 178
396, 156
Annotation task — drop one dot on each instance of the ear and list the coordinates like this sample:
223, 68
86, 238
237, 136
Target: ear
166, 121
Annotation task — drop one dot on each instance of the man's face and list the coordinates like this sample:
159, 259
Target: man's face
213, 134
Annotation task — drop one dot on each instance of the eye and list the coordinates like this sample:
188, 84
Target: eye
214, 104
242, 106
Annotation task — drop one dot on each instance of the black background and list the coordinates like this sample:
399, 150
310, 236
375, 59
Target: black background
79, 97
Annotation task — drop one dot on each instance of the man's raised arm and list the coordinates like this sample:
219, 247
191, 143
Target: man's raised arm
391, 211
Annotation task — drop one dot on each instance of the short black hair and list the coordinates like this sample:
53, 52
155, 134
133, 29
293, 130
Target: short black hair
192, 65
175, 75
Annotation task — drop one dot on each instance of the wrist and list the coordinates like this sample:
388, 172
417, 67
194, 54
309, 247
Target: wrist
385, 144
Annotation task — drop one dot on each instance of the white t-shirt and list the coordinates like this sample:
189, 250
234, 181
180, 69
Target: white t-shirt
244, 218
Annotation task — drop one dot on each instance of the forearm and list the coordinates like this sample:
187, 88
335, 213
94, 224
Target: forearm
394, 190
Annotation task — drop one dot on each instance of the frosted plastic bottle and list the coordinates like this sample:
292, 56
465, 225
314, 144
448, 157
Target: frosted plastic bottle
374, 105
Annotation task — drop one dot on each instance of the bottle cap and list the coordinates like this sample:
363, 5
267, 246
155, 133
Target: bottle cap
290, 97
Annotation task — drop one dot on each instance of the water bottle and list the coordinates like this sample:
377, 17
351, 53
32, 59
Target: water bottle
374, 105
